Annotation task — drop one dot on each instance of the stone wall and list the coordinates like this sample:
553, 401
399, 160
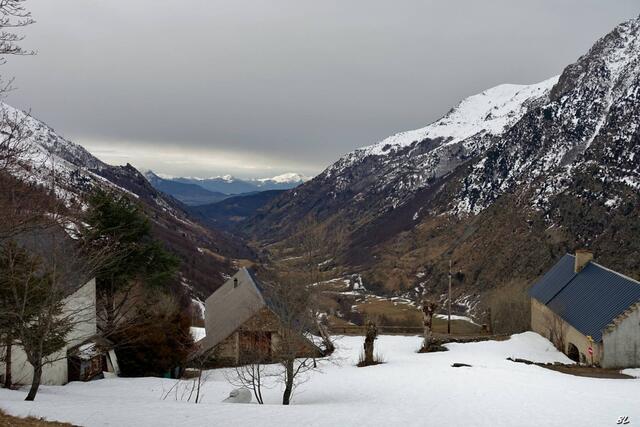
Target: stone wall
622, 341
544, 322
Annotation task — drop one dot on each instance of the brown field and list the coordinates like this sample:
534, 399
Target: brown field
406, 318
9, 421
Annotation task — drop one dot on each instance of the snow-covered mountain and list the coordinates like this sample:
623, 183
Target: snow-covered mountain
505, 181
404, 163
286, 178
189, 194
491, 112
230, 185
50, 160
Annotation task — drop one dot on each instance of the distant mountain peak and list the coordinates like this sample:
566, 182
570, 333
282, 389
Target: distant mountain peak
289, 177
225, 185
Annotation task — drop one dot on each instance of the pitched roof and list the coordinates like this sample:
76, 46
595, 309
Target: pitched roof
233, 304
589, 300
52, 246
554, 280
230, 306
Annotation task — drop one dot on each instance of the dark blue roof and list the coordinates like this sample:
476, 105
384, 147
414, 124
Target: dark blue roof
589, 300
554, 280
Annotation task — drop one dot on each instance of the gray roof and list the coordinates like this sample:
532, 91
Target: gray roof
233, 304
589, 300
230, 306
51, 245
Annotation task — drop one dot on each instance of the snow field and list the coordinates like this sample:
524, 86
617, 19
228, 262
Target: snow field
409, 389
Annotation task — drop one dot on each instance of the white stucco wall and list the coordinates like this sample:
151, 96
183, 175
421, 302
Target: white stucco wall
622, 343
82, 306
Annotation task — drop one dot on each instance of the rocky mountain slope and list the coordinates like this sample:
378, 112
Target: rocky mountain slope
503, 184
69, 169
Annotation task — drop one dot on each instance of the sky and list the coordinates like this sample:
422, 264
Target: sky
255, 88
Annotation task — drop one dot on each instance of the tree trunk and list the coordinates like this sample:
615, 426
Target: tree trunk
288, 384
199, 384
329, 348
35, 382
7, 375
372, 333
428, 309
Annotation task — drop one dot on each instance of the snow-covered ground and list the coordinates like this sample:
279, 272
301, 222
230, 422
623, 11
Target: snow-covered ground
197, 333
456, 317
409, 389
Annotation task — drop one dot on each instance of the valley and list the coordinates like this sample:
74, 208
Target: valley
211, 247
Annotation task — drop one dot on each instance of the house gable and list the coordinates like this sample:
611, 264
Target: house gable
235, 302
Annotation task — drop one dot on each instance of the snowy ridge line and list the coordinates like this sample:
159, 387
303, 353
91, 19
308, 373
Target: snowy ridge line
489, 112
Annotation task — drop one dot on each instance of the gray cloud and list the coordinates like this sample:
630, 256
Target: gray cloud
203, 87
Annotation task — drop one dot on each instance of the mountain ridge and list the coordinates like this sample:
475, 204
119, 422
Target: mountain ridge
559, 171
53, 162
230, 185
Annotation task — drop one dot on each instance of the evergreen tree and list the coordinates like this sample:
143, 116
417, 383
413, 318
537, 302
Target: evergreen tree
135, 258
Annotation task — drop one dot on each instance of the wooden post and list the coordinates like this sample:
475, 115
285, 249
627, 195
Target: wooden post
449, 310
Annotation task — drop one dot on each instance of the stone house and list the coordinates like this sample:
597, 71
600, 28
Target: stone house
591, 313
241, 321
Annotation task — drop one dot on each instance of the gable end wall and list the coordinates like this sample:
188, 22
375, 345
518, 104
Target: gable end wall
622, 342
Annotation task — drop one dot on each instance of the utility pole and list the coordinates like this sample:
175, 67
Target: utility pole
449, 310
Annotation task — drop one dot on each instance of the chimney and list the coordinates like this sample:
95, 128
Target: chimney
235, 282
582, 259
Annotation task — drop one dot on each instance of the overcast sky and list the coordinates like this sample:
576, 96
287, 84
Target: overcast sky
257, 88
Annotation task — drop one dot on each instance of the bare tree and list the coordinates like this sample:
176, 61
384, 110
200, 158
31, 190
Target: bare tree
38, 275
13, 15
200, 361
189, 388
292, 302
14, 129
21, 208
14, 137
254, 372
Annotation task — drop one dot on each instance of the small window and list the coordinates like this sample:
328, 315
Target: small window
235, 282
